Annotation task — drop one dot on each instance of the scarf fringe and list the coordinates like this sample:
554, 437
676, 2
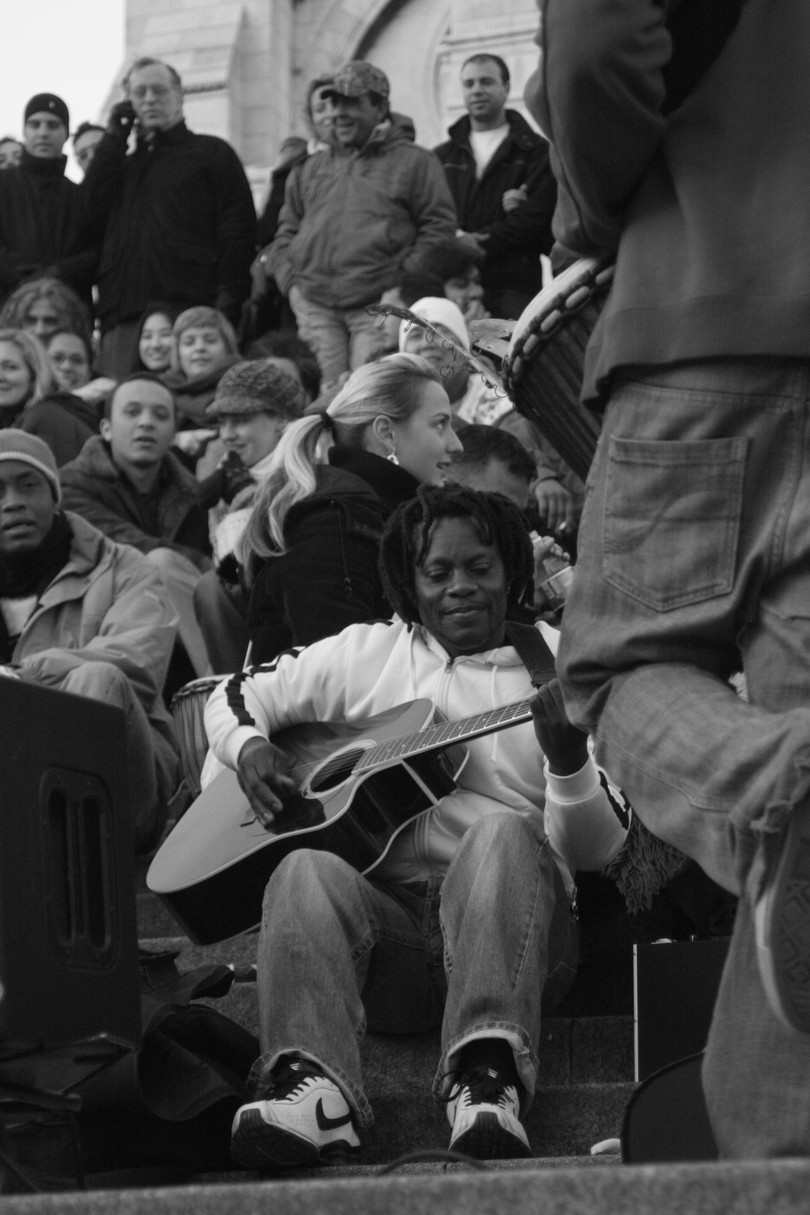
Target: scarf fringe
644, 865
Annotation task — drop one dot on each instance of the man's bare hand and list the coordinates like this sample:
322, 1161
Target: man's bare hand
262, 774
512, 199
564, 746
554, 504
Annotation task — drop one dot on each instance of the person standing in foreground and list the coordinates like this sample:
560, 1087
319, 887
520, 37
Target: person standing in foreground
466, 921
694, 557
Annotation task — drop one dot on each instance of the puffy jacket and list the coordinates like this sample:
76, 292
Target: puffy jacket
368, 668
518, 237
41, 227
706, 208
352, 222
95, 488
178, 224
105, 605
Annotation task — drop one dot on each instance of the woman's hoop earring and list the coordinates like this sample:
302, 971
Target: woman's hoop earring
392, 456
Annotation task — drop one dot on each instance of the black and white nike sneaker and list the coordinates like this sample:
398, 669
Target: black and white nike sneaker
483, 1111
305, 1120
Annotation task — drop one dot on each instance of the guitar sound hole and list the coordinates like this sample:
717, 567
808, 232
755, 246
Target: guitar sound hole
335, 771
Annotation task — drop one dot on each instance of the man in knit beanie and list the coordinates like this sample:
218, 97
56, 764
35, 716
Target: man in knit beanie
81, 614
40, 215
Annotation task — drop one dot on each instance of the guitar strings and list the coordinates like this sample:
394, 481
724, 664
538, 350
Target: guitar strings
392, 748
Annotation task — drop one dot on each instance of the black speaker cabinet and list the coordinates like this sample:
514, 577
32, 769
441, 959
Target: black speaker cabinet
676, 985
68, 938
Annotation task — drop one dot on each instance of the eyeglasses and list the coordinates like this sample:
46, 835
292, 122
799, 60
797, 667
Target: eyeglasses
158, 91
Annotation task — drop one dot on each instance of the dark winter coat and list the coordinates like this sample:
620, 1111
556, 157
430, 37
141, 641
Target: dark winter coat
518, 237
63, 421
328, 577
41, 228
95, 488
178, 224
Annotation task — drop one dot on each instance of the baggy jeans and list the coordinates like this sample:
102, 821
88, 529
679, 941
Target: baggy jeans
694, 560
339, 952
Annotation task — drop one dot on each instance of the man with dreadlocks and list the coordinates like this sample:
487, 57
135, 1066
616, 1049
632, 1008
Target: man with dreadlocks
466, 920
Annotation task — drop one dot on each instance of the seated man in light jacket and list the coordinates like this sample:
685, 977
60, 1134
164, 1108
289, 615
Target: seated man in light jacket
466, 922
81, 614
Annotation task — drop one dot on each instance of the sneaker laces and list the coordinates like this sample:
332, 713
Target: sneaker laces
292, 1079
485, 1086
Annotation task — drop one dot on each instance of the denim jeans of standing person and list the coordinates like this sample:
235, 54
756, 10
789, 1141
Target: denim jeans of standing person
342, 338
694, 559
473, 952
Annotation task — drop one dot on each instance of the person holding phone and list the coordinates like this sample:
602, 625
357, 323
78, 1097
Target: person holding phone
175, 213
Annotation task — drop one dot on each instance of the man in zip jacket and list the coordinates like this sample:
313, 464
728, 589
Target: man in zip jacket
498, 171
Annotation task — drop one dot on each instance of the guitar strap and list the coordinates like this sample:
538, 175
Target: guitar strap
533, 652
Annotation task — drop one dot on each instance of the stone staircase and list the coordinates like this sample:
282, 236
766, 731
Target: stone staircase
585, 1082
586, 1063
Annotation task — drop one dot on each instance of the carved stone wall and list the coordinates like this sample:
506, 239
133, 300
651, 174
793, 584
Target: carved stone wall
246, 63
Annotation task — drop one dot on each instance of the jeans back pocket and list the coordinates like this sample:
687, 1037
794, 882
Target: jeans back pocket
672, 519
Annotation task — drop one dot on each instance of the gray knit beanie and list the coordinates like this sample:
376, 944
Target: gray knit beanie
257, 387
28, 449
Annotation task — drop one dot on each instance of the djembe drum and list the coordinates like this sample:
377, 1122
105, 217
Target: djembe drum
544, 366
188, 706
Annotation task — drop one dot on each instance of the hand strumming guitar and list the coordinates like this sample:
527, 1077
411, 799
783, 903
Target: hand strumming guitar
564, 746
262, 774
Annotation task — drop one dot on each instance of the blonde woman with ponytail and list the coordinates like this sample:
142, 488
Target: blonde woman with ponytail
311, 544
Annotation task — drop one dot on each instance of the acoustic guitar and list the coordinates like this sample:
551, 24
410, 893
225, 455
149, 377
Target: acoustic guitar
358, 785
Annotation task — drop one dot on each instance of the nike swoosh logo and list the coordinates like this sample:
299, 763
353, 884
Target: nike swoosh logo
325, 1123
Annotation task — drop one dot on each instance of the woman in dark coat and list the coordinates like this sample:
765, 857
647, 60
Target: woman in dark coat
311, 545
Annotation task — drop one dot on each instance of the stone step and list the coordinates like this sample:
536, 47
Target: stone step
746, 1188
585, 1082
573, 1050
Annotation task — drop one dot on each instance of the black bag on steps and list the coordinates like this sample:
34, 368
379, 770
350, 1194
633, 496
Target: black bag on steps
172, 1102
155, 1115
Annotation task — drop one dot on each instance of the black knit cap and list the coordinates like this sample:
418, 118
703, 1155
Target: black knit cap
48, 103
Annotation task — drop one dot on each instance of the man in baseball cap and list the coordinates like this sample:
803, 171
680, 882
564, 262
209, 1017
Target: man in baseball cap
356, 217
359, 96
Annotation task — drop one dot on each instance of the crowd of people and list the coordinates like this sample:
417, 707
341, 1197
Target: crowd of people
217, 458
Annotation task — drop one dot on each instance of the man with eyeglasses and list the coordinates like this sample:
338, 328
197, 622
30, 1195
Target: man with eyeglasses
40, 229
176, 213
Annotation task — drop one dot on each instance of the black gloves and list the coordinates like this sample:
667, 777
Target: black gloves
121, 118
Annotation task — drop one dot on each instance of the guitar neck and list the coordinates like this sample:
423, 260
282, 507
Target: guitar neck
445, 734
